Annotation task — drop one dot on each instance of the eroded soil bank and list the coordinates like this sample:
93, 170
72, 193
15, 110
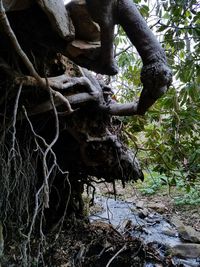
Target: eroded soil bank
139, 231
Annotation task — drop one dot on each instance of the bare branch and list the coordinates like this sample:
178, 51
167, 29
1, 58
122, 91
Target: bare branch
1, 240
61, 82
118, 252
127, 109
15, 119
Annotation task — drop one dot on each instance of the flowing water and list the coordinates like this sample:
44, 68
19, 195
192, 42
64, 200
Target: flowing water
154, 228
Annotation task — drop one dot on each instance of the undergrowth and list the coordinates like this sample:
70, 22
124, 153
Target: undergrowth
182, 192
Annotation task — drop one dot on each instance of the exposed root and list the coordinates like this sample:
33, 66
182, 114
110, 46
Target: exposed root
5, 25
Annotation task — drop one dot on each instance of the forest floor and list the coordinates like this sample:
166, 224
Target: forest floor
101, 244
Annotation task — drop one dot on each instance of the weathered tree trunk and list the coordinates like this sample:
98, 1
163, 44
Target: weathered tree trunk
57, 128
70, 149
155, 75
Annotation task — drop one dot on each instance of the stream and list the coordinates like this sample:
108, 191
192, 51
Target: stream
152, 228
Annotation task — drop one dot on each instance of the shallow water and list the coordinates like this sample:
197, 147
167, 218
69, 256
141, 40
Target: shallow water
118, 212
151, 229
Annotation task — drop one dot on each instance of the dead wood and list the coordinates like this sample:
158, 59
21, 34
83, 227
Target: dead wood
58, 128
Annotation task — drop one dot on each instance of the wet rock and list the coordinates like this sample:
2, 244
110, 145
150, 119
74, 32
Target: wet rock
186, 263
143, 213
186, 232
186, 250
153, 218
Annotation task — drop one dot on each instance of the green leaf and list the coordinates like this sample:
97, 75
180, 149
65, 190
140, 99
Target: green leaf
144, 10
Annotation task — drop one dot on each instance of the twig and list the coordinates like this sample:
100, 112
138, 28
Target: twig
61, 221
15, 119
118, 252
124, 50
45, 184
1, 241
48, 172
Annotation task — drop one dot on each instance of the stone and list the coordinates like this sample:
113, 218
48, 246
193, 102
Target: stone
159, 207
176, 221
140, 204
186, 250
185, 263
58, 17
55, 11
186, 232
143, 213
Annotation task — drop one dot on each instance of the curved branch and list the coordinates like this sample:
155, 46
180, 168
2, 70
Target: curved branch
155, 75
76, 99
118, 109
62, 82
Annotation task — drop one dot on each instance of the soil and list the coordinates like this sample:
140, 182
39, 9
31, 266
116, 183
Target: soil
84, 244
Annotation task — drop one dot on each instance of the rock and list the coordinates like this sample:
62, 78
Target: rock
143, 213
185, 263
85, 28
170, 232
58, 17
140, 204
176, 221
159, 207
186, 250
186, 233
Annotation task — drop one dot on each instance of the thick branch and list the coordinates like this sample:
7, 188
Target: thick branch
140, 35
127, 109
155, 76
117, 109
76, 99
62, 82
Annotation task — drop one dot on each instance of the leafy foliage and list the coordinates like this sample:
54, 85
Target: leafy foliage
167, 138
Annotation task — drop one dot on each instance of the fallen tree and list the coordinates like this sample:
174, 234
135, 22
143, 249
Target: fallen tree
59, 128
